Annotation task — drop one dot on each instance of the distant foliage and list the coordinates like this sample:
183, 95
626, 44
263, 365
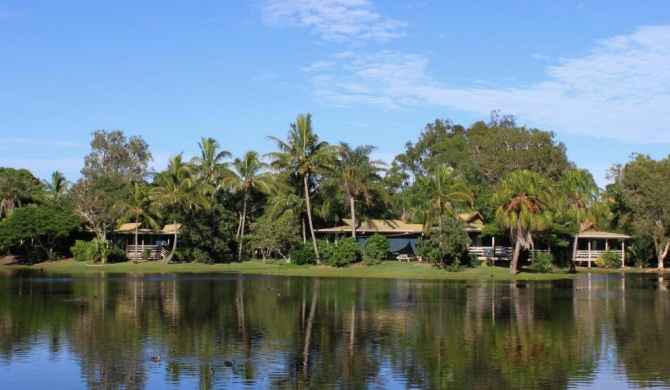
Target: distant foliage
202, 257
608, 259
303, 255
376, 249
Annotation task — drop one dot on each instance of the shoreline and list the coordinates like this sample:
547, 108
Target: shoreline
387, 269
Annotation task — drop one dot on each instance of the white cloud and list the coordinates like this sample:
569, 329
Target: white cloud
620, 90
333, 20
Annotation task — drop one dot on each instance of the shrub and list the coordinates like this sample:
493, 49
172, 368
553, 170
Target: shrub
346, 252
608, 259
81, 251
201, 256
376, 249
447, 246
116, 254
543, 262
145, 254
35, 254
327, 251
303, 255
54, 255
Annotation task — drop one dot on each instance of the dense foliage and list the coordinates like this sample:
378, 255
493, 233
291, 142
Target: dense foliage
376, 249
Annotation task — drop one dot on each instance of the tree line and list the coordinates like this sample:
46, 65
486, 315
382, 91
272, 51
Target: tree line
234, 207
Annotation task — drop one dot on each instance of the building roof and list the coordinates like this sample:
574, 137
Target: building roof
376, 226
598, 234
128, 227
169, 229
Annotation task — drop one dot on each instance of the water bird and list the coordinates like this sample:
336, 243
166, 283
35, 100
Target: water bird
229, 363
156, 359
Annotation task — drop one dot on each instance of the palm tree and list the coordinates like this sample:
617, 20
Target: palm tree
357, 174
209, 164
442, 194
12, 190
57, 187
246, 177
137, 205
303, 153
178, 189
522, 200
285, 198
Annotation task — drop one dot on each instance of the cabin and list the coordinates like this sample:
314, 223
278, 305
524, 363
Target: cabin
590, 244
403, 236
154, 242
485, 247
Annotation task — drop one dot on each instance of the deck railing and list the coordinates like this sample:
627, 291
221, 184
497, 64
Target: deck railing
154, 251
493, 253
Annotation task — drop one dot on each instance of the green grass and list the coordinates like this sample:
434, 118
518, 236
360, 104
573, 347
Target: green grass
388, 269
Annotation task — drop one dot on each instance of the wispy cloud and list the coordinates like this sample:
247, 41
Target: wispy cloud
620, 90
349, 21
27, 141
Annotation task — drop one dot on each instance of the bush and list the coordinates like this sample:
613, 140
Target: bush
346, 252
448, 246
608, 259
81, 251
54, 255
326, 250
201, 256
303, 255
376, 249
116, 254
145, 254
35, 254
543, 262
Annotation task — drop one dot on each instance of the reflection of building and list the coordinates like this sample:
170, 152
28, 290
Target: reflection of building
148, 240
590, 244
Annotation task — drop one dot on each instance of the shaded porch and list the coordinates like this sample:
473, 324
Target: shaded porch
590, 244
155, 243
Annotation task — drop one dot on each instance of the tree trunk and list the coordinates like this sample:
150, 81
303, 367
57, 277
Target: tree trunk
513, 265
353, 216
136, 229
661, 258
244, 218
174, 243
309, 219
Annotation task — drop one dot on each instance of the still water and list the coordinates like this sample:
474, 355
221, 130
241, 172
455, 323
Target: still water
238, 331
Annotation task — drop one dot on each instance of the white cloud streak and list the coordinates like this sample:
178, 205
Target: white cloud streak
620, 90
344, 21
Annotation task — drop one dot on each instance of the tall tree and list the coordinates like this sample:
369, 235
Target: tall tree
303, 153
56, 187
17, 187
247, 175
286, 199
119, 159
136, 205
210, 163
643, 200
523, 198
442, 194
357, 175
178, 190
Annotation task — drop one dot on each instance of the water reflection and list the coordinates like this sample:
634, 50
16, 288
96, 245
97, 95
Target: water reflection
229, 331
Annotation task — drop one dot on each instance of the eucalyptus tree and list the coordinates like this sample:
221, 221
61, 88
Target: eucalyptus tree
137, 205
643, 200
118, 158
56, 187
179, 190
247, 174
523, 199
306, 155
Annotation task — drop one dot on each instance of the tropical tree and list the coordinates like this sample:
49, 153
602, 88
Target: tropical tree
178, 190
442, 194
17, 186
210, 163
305, 155
56, 187
358, 175
117, 158
247, 175
136, 205
522, 199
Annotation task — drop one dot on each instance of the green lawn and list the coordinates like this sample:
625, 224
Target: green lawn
388, 269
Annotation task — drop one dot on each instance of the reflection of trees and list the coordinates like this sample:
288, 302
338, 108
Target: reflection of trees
312, 333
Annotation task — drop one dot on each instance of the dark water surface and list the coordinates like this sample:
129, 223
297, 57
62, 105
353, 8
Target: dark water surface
100, 332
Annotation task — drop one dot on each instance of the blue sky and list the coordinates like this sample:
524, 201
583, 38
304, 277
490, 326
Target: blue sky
597, 73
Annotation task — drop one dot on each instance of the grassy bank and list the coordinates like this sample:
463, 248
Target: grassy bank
389, 269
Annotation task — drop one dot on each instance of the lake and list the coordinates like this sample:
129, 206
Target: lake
100, 331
